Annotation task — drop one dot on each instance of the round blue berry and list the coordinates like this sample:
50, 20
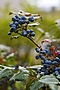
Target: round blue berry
57, 68
56, 73
52, 69
38, 71
37, 57
17, 16
42, 62
48, 62
46, 72
12, 29
21, 22
24, 33
26, 21
42, 57
16, 23
42, 69
28, 31
31, 18
9, 33
46, 50
43, 88
32, 34
43, 52
14, 19
31, 31
54, 62
11, 23
23, 17
37, 50
46, 65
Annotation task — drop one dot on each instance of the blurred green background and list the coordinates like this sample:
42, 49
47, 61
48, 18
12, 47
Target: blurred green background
24, 47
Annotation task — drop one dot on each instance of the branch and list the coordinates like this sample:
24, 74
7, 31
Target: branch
34, 42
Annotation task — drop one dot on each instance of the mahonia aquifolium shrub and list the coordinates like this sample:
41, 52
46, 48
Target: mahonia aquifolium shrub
41, 77
50, 57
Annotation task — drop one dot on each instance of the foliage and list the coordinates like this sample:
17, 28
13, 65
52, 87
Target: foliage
38, 77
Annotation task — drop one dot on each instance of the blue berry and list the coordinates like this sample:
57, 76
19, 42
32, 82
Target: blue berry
43, 52
57, 69
56, 73
12, 29
46, 50
23, 17
43, 88
26, 21
42, 57
14, 19
10, 24
42, 62
38, 71
16, 23
24, 33
31, 19
57, 59
46, 72
17, 16
48, 62
37, 50
37, 57
54, 62
53, 69
46, 65
21, 22
9, 33
42, 69
13, 25
12, 82
28, 31
32, 34
31, 31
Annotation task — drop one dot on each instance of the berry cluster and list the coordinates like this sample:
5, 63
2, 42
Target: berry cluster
5, 83
20, 23
50, 60
28, 33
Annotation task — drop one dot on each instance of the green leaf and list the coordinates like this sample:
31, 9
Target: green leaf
53, 86
30, 81
23, 69
58, 76
35, 67
49, 79
36, 85
20, 76
6, 73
